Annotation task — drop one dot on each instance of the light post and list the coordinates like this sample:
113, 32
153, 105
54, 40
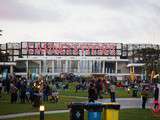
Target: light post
41, 109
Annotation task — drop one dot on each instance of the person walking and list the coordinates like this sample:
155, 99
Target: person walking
99, 88
112, 92
144, 95
92, 94
0, 88
156, 96
105, 83
23, 92
13, 91
7, 84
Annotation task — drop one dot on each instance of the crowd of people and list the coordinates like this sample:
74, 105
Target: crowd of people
98, 86
34, 92
145, 90
26, 91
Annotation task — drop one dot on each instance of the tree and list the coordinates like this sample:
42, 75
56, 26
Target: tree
3, 58
151, 58
0, 32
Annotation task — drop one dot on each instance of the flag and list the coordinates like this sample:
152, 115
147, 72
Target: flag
155, 76
152, 74
132, 76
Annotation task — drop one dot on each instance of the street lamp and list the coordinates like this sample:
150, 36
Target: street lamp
41, 109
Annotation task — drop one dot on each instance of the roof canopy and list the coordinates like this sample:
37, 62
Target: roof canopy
135, 64
8, 63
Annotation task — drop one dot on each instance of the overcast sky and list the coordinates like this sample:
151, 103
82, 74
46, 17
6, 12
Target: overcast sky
124, 21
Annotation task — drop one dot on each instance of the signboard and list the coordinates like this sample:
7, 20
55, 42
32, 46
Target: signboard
69, 49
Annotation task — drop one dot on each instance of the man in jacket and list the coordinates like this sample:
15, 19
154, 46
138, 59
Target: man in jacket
156, 95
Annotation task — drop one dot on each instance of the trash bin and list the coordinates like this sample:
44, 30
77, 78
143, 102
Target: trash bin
76, 111
111, 111
94, 110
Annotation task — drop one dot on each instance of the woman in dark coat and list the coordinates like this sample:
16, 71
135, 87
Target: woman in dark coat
144, 94
92, 94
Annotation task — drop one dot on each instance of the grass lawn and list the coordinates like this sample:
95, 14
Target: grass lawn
120, 92
128, 114
7, 108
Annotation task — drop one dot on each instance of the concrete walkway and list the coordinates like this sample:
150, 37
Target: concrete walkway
124, 102
129, 102
74, 97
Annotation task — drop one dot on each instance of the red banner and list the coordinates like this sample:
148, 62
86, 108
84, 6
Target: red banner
77, 49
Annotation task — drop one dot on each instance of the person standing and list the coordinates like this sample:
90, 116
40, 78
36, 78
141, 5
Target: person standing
92, 94
23, 92
13, 92
7, 83
0, 88
144, 95
112, 92
99, 88
156, 95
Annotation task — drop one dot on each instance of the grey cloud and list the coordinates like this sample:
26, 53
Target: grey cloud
135, 15
13, 10
112, 3
126, 6
106, 3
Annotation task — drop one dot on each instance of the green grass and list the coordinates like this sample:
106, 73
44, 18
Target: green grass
7, 108
128, 114
72, 92
137, 114
120, 92
58, 116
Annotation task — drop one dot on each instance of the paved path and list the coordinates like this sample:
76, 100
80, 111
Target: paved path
124, 102
74, 97
129, 102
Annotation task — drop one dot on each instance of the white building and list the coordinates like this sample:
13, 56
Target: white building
53, 58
